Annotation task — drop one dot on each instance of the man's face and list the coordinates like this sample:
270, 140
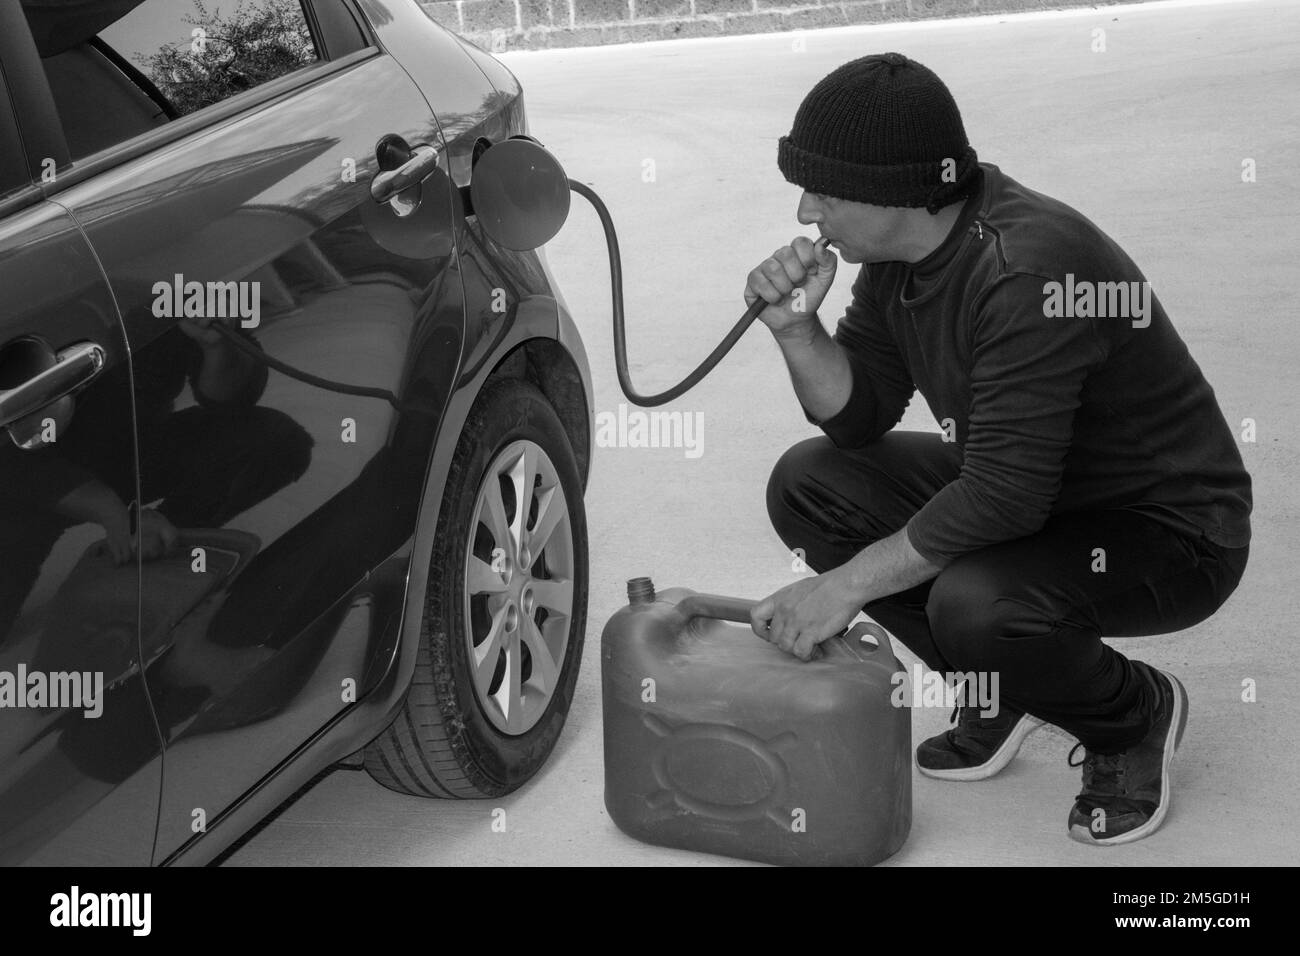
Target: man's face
860, 232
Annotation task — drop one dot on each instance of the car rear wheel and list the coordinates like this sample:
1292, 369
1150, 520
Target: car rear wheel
505, 612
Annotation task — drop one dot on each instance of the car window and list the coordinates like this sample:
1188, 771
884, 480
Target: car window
118, 68
338, 22
13, 163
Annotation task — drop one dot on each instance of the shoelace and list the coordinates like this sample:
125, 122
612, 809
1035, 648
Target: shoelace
951, 733
955, 716
968, 735
958, 707
1103, 773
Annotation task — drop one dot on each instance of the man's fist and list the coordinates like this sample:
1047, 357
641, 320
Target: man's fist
793, 281
801, 615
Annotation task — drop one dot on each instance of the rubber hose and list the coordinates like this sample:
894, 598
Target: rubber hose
261, 355
620, 336
620, 332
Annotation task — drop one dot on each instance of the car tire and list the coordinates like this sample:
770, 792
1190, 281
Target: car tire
490, 601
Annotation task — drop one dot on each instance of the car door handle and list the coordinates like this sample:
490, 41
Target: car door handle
389, 184
73, 367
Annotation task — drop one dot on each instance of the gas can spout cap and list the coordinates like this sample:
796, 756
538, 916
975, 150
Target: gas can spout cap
640, 591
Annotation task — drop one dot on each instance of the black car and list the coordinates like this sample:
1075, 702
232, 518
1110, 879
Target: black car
295, 451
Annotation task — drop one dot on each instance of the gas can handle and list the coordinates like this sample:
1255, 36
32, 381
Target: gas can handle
863, 628
737, 610
726, 609
716, 606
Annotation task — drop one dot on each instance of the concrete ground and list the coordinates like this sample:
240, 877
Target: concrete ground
1147, 138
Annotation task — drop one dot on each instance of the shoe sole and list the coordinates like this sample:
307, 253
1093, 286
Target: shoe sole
1177, 724
995, 764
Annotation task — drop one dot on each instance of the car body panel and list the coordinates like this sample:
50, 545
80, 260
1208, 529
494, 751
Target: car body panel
295, 644
76, 786
297, 499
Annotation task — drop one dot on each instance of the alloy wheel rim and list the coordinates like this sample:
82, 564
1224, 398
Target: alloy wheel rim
519, 571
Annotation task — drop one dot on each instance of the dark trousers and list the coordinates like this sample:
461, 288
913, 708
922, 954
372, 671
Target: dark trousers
1032, 609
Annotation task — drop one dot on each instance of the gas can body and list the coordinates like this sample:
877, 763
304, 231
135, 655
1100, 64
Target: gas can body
718, 741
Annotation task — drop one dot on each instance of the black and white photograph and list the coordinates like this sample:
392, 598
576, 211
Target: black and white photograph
657, 434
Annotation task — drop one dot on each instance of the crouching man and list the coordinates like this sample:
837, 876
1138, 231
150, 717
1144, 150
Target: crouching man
1085, 484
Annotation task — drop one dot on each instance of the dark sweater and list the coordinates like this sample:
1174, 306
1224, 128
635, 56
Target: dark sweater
1052, 412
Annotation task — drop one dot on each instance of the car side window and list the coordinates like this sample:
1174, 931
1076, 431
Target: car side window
119, 68
339, 24
13, 163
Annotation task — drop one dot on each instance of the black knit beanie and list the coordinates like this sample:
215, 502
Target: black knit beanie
877, 130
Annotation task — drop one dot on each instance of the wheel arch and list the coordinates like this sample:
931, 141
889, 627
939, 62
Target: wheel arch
548, 365
536, 350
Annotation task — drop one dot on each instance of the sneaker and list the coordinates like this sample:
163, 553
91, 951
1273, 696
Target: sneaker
1126, 795
977, 747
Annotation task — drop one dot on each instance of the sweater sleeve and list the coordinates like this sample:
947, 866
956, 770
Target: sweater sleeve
1027, 375
882, 385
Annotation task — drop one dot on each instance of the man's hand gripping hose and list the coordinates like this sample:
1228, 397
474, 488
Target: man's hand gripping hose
620, 332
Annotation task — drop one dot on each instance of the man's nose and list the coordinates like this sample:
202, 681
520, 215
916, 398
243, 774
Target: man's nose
809, 211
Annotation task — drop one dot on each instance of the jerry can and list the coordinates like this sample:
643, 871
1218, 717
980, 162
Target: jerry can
717, 741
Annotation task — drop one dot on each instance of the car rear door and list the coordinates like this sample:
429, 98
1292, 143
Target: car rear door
234, 184
79, 769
